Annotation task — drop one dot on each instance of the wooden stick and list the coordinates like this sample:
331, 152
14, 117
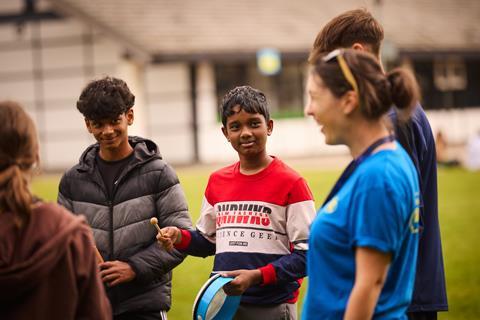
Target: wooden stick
99, 256
154, 221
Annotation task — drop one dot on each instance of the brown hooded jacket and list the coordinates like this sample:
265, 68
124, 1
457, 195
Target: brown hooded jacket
48, 268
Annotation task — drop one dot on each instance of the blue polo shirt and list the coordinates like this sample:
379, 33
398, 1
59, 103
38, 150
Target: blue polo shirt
377, 207
416, 137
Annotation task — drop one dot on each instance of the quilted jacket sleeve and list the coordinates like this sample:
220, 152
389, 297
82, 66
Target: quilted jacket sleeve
63, 197
171, 210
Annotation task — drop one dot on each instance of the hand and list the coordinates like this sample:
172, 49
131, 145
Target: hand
168, 237
116, 272
244, 279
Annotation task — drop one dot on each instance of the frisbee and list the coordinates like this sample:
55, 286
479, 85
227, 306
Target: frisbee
212, 303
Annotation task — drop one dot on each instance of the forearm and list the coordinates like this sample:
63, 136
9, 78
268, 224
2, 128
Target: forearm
362, 301
194, 243
287, 268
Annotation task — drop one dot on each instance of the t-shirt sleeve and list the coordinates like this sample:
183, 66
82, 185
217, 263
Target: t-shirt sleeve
377, 220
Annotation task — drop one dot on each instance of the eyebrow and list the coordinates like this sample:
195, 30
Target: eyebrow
105, 120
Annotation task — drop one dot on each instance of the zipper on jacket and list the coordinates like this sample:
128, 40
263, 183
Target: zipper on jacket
110, 234
110, 206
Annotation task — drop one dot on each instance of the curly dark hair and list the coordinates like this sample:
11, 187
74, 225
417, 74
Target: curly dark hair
249, 99
106, 98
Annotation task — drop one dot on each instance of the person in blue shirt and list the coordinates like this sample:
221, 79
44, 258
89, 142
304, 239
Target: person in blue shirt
359, 30
363, 243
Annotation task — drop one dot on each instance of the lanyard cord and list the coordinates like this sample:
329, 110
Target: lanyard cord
354, 164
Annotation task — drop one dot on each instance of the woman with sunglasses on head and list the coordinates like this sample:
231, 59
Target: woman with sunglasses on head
363, 242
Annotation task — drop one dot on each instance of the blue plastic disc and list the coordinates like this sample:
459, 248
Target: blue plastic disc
212, 303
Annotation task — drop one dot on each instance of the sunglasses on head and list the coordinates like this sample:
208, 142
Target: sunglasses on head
347, 73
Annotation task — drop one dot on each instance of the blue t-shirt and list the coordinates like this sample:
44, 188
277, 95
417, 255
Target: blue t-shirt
377, 207
415, 135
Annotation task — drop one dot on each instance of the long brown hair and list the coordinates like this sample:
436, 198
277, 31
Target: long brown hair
377, 91
18, 155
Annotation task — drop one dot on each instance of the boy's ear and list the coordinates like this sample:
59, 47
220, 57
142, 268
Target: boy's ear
225, 133
129, 115
88, 125
269, 127
361, 47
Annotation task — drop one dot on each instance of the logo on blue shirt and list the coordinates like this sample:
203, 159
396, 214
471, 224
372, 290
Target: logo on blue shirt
414, 223
331, 206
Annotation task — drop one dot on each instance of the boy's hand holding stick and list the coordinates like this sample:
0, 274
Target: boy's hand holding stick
167, 236
154, 221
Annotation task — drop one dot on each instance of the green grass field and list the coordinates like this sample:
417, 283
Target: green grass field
459, 205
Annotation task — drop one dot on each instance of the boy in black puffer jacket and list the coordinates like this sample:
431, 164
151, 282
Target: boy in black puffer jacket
119, 184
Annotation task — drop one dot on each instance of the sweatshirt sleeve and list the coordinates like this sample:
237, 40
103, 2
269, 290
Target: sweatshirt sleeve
201, 242
300, 214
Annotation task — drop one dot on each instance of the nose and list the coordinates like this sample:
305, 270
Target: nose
245, 132
107, 129
307, 110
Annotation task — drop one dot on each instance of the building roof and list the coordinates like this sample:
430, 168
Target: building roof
193, 29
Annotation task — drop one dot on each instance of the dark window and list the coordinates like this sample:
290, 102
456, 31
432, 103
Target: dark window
228, 76
284, 91
447, 85
472, 92
289, 86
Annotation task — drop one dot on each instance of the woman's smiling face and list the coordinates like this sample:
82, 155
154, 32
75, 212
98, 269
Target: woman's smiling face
325, 108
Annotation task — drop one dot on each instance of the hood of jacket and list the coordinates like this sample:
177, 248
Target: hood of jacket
145, 150
30, 253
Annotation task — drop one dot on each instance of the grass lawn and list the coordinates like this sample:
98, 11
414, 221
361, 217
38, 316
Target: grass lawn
459, 205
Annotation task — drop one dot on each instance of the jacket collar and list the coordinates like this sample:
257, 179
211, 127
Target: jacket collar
145, 150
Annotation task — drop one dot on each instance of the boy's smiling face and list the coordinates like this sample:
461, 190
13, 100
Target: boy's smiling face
247, 132
112, 134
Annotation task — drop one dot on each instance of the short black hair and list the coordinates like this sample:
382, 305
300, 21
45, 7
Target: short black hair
249, 99
106, 98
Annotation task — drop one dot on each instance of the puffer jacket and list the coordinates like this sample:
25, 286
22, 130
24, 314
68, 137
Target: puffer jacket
147, 188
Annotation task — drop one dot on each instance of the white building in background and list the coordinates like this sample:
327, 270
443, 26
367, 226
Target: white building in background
180, 57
